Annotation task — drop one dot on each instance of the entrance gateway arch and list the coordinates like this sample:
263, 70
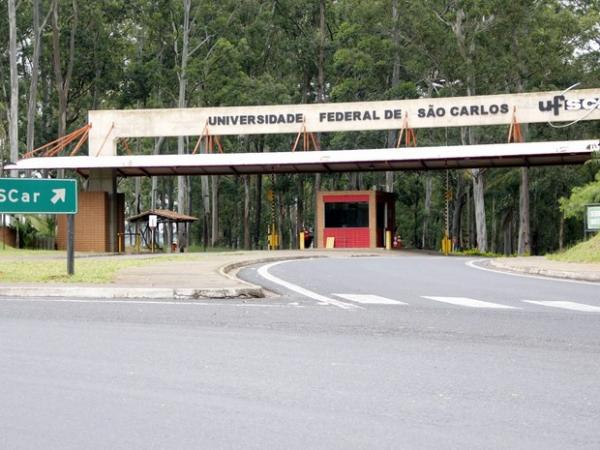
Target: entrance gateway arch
102, 165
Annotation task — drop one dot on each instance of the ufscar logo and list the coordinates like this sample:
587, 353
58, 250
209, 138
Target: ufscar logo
561, 103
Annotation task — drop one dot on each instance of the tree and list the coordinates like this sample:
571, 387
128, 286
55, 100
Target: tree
574, 205
466, 26
35, 71
13, 130
62, 77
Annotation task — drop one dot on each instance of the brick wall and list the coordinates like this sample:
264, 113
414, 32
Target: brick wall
92, 227
10, 234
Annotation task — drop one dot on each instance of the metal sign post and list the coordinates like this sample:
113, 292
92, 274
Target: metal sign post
152, 223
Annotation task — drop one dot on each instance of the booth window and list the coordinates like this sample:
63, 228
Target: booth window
346, 215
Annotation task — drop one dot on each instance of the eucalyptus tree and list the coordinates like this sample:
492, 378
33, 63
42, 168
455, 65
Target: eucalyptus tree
13, 123
36, 42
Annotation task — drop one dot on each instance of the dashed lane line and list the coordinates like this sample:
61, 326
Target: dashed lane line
469, 302
573, 306
370, 299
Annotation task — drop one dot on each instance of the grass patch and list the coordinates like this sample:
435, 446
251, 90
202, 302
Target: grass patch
475, 252
9, 251
584, 252
87, 270
200, 249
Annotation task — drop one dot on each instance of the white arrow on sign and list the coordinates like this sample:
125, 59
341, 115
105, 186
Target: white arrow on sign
59, 194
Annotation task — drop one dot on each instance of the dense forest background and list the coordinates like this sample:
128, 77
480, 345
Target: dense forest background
61, 58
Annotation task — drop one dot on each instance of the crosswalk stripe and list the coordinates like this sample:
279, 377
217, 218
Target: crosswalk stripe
370, 299
469, 302
566, 305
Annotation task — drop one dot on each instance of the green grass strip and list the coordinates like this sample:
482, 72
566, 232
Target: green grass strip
584, 252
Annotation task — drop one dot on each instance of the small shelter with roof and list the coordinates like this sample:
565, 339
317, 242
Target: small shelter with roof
151, 219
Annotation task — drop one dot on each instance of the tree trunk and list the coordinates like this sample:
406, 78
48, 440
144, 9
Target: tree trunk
561, 232
215, 210
391, 137
257, 211
35, 60
138, 186
63, 81
300, 207
466, 48
246, 212
282, 217
457, 212
479, 204
181, 180
170, 197
469, 213
524, 233
205, 188
320, 93
157, 145
494, 237
13, 125
507, 225
524, 244
427, 210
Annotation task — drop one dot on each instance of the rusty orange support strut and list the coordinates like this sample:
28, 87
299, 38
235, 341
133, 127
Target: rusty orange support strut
307, 138
58, 145
211, 142
410, 137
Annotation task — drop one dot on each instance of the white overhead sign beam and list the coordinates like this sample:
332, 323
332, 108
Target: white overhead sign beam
109, 125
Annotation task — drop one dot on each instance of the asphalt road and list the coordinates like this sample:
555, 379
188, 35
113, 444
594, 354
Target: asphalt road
393, 361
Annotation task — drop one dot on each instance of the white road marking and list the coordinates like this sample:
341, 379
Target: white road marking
566, 305
473, 265
469, 302
264, 272
370, 299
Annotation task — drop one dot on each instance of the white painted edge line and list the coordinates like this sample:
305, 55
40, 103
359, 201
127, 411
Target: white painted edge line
566, 305
263, 271
473, 265
136, 302
370, 299
469, 302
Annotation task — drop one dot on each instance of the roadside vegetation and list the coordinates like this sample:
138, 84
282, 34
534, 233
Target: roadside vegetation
46, 266
584, 252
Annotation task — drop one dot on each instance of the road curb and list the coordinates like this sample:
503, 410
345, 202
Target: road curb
131, 292
531, 270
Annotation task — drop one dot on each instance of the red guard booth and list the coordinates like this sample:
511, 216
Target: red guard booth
355, 219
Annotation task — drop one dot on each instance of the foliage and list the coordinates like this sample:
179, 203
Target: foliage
574, 205
255, 52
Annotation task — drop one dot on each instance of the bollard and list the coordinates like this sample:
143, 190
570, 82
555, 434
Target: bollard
388, 240
301, 240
